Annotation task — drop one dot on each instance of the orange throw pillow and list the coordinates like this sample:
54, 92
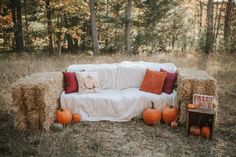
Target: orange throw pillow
153, 81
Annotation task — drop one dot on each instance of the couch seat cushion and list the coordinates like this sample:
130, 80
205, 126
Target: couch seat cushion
113, 105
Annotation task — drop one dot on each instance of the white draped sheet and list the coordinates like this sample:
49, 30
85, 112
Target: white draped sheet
114, 105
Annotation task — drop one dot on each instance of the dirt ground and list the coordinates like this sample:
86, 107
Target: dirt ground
132, 138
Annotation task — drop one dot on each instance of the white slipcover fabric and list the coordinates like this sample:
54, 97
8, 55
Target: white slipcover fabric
113, 105
119, 98
121, 75
130, 76
170, 67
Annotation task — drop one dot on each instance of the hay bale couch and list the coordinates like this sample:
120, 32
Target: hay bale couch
38, 96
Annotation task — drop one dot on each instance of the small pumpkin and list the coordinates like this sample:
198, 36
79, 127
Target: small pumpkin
76, 117
174, 124
206, 132
194, 130
191, 106
63, 116
151, 115
169, 114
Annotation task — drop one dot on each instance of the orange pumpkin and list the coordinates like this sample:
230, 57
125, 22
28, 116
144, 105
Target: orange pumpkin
191, 106
206, 132
76, 117
151, 116
194, 130
169, 114
174, 124
63, 116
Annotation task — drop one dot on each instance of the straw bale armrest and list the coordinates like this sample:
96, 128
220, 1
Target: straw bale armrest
35, 99
193, 81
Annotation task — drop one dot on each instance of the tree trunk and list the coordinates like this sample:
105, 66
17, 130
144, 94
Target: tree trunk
218, 23
59, 34
128, 27
173, 35
209, 34
184, 47
201, 11
227, 20
116, 29
94, 28
215, 20
26, 28
20, 42
14, 22
70, 42
49, 23
173, 42
17, 20
107, 28
83, 36
76, 44
68, 36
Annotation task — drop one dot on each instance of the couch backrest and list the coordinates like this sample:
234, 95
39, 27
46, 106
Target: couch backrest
107, 73
131, 74
170, 67
122, 75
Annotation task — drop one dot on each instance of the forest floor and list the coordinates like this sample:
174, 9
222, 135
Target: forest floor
132, 138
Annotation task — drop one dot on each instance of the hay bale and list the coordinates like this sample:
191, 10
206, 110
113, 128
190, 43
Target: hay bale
18, 108
35, 99
192, 81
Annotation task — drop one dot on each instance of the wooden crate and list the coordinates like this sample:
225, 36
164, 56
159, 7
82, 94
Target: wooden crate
200, 117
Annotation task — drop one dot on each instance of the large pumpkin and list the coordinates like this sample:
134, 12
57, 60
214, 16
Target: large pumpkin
169, 114
63, 116
151, 115
206, 132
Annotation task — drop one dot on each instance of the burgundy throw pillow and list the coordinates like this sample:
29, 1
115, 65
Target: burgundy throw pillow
169, 82
70, 82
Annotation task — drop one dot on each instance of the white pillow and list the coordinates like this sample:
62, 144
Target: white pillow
87, 82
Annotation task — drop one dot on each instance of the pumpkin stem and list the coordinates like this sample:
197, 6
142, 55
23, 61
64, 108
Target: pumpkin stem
171, 106
61, 109
152, 105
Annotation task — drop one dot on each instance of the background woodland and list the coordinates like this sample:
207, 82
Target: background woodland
113, 26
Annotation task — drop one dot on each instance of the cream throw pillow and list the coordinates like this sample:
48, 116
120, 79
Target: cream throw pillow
87, 82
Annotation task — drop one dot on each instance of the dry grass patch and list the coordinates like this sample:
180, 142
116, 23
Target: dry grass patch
132, 138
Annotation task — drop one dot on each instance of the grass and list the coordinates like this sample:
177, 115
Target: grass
132, 138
